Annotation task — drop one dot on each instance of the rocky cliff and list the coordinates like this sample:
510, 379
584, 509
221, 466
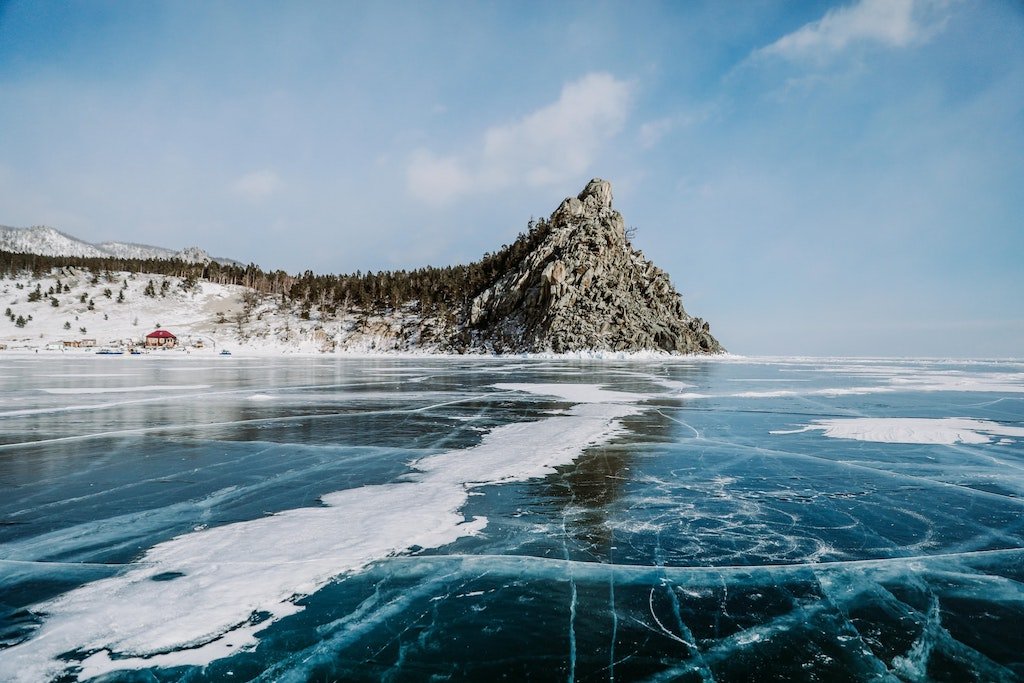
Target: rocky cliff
584, 287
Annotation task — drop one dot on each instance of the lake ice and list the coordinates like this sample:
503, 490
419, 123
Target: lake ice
294, 519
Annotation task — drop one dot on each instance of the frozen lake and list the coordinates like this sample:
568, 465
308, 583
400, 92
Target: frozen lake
310, 519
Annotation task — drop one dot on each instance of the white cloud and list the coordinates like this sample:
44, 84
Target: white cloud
257, 185
892, 23
437, 180
652, 132
549, 146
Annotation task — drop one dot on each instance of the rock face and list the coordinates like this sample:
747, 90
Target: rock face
584, 287
193, 255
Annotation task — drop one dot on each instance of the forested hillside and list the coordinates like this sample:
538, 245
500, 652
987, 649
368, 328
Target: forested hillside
447, 289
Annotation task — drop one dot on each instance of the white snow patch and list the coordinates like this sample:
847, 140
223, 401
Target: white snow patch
229, 573
948, 430
526, 450
999, 382
576, 393
896, 379
673, 384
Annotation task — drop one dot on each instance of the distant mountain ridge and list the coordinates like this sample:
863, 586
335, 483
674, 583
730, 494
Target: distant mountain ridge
47, 241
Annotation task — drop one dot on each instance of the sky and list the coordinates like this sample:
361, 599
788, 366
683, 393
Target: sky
818, 178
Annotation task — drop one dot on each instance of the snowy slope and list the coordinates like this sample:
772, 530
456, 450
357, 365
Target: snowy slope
47, 241
132, 250
117, 312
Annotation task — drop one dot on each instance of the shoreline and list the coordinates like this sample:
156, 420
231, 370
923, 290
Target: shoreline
593, 355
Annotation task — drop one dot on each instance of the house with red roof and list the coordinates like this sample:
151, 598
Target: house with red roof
161, 339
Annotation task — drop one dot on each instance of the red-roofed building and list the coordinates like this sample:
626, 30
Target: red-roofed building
161, 339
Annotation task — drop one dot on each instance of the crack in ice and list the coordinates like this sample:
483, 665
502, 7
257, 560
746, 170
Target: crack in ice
204, 614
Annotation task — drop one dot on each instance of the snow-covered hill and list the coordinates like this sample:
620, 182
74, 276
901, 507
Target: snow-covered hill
132, 250
75, 304
47, 241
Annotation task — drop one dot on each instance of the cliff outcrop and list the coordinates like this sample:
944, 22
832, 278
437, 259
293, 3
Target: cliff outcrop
584, 287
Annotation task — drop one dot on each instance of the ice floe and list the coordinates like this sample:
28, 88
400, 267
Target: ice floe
527, 449
576, 393
948, 430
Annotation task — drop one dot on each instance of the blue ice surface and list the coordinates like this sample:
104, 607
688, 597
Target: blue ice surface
695, 544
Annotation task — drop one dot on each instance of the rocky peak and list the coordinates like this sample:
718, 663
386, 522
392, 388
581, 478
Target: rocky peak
193, 255
600, 190
584, 287
594, 202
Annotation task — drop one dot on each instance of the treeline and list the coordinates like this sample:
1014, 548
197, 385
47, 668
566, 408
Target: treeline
450, 288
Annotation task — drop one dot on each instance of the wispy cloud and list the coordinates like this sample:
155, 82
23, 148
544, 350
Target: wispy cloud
546, 147
890, 23
652, 132
257, 185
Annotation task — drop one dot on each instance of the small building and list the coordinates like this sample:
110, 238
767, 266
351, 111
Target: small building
161, 339
79, 343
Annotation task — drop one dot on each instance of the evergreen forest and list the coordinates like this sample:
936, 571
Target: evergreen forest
433, 290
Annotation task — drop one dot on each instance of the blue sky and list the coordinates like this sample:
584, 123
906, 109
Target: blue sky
827, 178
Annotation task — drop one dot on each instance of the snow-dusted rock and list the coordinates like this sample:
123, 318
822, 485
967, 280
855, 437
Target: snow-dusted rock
585, 287
135, 251
193, 255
